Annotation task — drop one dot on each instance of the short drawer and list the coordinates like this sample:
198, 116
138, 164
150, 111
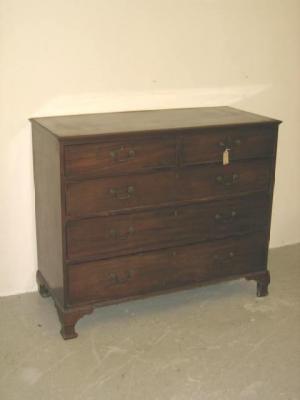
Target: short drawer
188, 184
113, 158
242, 143
124, 234
142, 274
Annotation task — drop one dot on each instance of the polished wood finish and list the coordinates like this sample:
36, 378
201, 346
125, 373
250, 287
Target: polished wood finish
244, 143
68, 319
164, 269
110, 236
48, 209
92, 197
110, 125
120, 157
139, 203
95, 196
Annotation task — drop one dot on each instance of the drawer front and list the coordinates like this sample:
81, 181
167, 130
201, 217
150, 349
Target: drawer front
242, 142
192, 183
119, 193
88, 160
140, 274
215, 180
124, 234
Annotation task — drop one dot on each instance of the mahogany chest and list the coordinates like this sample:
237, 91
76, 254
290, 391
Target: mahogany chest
132, 204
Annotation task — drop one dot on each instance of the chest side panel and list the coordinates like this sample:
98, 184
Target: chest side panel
49, 228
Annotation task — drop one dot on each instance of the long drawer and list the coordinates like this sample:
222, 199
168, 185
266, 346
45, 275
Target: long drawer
94, 196
112, 279
142, 231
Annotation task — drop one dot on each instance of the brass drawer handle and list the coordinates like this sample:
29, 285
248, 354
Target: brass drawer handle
117, 235
228, 143
226, 218
122, 193
122, 154
120, 278
227, 180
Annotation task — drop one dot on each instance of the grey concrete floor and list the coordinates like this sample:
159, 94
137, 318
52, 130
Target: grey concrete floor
213, 343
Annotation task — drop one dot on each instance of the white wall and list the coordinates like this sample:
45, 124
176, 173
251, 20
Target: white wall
78, 56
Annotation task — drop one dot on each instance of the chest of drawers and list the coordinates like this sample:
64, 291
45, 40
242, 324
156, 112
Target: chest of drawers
133, 204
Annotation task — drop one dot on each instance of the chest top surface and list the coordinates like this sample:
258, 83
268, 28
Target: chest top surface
69, 126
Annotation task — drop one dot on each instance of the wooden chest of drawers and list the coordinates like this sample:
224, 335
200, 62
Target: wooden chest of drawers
138, 203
